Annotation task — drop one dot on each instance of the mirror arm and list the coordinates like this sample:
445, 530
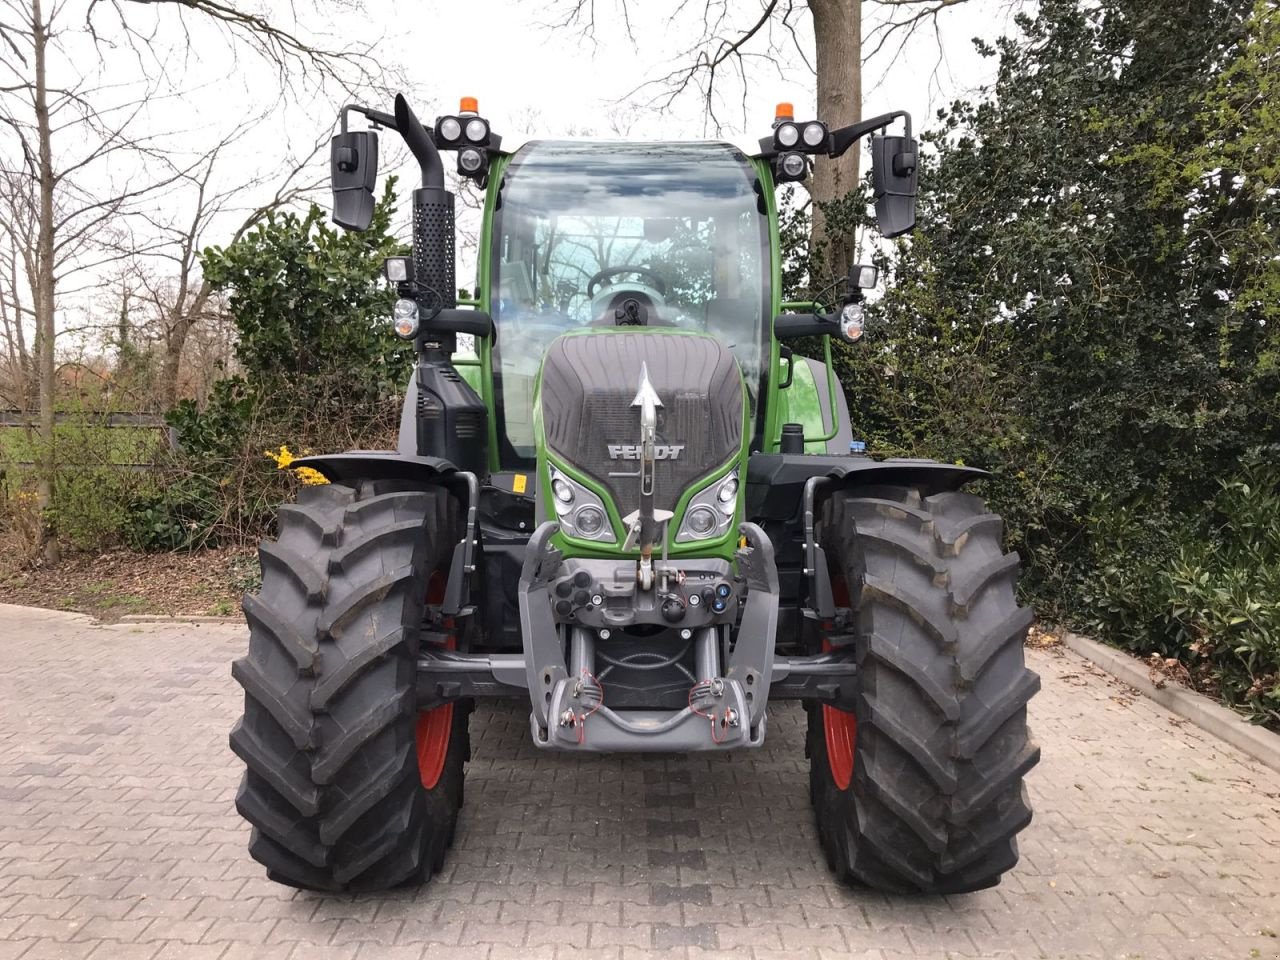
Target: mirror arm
844, 138
374, 116
475, 322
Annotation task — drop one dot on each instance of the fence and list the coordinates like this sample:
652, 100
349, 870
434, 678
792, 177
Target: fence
113, 442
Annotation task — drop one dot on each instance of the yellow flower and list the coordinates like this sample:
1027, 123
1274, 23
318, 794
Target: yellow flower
284, 457
310, 477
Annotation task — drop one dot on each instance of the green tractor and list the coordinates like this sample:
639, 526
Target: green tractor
619, 496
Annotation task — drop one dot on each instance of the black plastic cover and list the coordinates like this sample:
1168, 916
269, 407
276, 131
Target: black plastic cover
894, 170
589, 382
353, 172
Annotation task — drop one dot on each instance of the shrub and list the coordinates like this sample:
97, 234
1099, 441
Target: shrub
20, 524
321, 371
1223, 593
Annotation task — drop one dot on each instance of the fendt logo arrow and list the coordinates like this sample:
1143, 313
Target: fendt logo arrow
631, 451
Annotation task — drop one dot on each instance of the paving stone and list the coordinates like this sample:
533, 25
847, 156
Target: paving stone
123, 842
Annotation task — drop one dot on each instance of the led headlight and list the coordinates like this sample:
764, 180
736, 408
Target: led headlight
580, 512
710, 510
787, 135
790, 167
477, 131
404, 319
471, 161
589, 519
727, 493
701, 521
449, 128
814, 134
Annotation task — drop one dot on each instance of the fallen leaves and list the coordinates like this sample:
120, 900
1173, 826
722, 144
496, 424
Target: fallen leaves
1161, 670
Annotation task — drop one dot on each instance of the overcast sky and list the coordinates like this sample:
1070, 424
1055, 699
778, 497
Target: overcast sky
531, 81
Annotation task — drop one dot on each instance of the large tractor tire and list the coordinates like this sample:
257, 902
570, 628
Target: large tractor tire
347, 786
920, 790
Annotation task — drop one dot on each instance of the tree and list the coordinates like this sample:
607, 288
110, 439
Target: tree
311, 314
1087, 312
66, 220
87, 165
320, 368
179, 297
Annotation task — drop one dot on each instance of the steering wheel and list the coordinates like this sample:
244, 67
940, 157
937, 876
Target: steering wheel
658, 283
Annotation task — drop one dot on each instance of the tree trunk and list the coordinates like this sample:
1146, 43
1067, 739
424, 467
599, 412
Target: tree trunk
837, 32
46, 461
184, 317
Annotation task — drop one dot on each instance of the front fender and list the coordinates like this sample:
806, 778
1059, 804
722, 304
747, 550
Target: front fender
357, 465
775, 481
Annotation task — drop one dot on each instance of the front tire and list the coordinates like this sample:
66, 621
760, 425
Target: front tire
921, 790
342, 789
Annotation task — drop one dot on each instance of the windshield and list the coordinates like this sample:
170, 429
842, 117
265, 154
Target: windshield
586, 229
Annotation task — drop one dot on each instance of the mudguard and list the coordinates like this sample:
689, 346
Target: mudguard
378, 465
775, 481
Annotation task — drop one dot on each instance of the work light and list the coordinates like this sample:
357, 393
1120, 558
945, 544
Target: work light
472, 162
786, 135
449, 129
477, 130
788, 167
815, 134
397, 269
864, 275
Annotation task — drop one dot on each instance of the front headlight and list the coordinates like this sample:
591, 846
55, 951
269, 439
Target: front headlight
710, 511
580, 511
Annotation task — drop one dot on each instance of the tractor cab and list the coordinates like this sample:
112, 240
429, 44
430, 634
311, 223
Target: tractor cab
600, 235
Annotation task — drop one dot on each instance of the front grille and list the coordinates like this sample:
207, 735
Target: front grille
590, 381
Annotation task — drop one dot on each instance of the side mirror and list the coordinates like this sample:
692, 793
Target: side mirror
353, 171
893, 179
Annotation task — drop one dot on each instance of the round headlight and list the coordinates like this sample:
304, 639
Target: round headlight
477, 130
793, 165
814, 134
787, 134
404, 319
449, 129
562, 490
470, 160
702, 521
589, 520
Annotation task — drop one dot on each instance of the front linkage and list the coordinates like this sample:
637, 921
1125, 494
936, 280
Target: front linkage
564, 668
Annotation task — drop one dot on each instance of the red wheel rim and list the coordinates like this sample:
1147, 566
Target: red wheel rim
435, 727
841, 728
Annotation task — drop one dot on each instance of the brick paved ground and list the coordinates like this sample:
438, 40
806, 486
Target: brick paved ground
118, 838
